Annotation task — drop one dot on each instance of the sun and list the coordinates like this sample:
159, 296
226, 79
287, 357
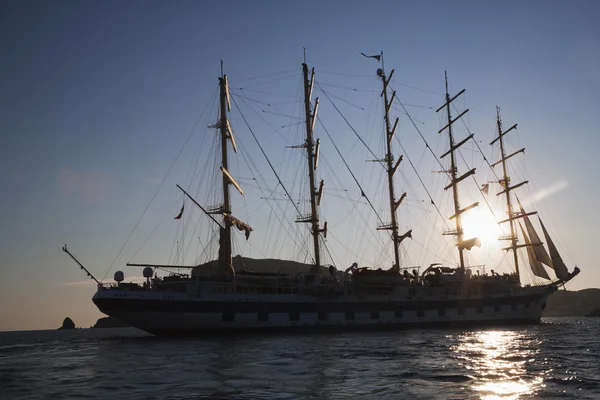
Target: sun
481, 224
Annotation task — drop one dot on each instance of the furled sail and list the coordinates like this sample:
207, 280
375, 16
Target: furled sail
540, 252
242, 226
536, 266
559, 266
469, 243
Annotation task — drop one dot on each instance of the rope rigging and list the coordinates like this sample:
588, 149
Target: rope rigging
265, 155
375, 157
362, 192
265, 75
266, 196
279, 180
160, 185
271, 81
350, 125
243, 98
402, 147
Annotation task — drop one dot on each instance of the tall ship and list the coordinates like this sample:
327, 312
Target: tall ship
238, 293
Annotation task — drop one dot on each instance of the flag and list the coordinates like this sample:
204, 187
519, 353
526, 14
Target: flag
485, 187
377, 57
180, 213
502, 183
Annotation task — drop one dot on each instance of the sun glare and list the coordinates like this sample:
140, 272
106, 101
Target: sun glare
497, 363
481, 224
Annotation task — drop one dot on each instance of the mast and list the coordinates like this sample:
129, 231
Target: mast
391, 168
507, 190
455, 179
225, 248
225, 262
315, 195
537, 254
513, 235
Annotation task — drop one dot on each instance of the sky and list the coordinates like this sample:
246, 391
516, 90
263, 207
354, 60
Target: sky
97, 99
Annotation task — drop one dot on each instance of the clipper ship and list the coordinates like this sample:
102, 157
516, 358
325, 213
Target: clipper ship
236, 294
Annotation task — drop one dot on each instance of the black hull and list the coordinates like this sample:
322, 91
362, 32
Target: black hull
177, 315
112, 305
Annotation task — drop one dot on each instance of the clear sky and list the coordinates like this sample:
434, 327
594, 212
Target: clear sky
97, 98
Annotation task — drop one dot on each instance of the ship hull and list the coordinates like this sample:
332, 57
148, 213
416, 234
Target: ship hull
182, 314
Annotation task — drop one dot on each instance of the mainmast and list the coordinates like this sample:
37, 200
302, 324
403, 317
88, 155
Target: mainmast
312, 151
508, 189
455, 179
391, 168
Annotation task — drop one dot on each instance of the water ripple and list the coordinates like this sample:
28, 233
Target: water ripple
554, 360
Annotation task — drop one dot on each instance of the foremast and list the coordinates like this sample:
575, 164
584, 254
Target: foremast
225, 261
312, 150
225, 247
455, 179
391, 167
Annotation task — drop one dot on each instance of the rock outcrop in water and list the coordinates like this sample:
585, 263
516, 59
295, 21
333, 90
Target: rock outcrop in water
594, 313
68, 324
110, 322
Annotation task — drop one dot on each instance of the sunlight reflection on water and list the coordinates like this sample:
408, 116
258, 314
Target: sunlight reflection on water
497, 362
557, 359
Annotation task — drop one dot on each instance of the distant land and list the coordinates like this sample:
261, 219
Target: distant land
568, 303
104, 322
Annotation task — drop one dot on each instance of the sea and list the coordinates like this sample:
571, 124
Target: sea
557, 359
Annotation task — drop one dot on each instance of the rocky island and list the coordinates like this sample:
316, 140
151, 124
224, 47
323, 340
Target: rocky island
68, 324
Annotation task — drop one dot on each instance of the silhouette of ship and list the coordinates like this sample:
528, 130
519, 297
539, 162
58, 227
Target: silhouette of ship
241, 293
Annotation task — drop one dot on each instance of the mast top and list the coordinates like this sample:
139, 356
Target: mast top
446, 79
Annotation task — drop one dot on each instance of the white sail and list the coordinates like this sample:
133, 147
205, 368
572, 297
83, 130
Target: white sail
536, 266
540, 252
558, 264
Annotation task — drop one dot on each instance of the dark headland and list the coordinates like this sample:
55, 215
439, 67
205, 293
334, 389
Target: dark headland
110, 322
580, 303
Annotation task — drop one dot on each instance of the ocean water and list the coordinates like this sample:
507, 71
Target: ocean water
556, 359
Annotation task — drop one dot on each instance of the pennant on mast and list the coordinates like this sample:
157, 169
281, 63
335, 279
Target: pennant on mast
377, 57
180, 213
